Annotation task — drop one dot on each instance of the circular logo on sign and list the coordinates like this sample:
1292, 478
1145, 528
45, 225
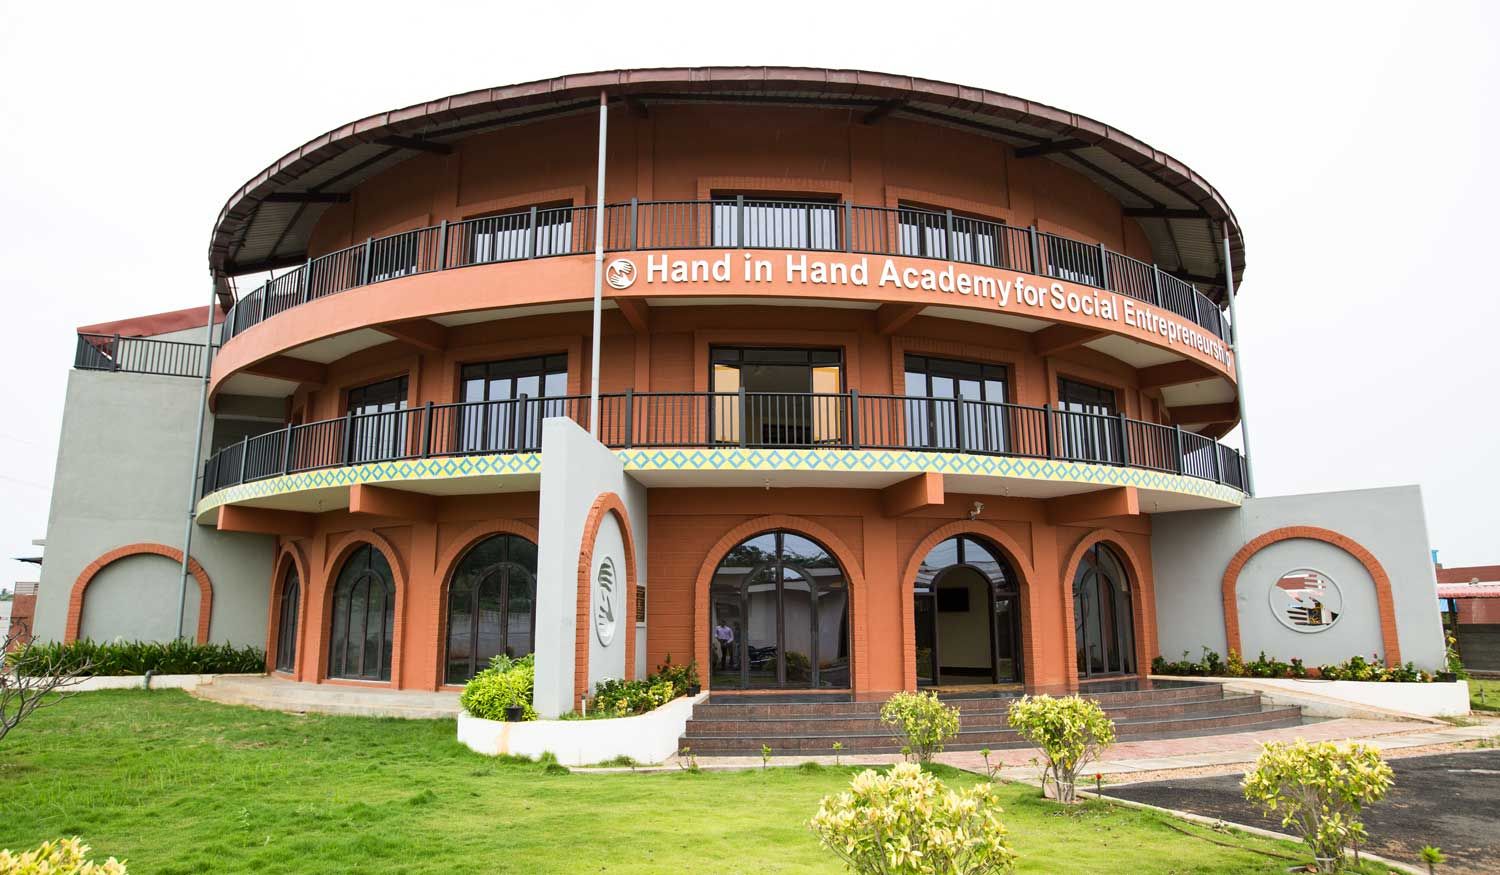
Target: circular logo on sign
620, 273
605, 600
1306, 600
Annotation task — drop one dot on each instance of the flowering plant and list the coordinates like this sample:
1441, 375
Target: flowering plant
62, 857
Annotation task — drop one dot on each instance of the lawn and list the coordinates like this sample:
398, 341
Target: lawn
176, 785
1484, 695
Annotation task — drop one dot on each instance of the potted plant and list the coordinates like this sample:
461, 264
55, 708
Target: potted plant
514, 713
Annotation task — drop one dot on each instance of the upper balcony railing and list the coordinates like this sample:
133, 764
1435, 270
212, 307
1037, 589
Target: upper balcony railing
737, 223
139, 355
758, 420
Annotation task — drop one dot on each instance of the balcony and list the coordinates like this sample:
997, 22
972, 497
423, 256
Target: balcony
778, 426
139, 355
726, 224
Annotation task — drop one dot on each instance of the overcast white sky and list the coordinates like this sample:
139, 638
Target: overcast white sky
1354, 141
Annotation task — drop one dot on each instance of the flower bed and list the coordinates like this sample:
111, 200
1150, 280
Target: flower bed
1355, 668
642, 738
119, 658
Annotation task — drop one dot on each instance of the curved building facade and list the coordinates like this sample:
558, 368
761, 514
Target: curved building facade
899, 383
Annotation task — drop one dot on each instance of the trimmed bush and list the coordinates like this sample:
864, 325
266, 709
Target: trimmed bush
62, 857
1071, 731
922, 722
114, 658
1319, 789
617, 698
506, 683
906, 822
1355, 668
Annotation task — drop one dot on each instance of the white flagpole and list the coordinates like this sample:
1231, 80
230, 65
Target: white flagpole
598, 270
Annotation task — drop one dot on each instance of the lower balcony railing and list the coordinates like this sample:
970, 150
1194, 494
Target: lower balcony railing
756, 420
139, 355
730, 223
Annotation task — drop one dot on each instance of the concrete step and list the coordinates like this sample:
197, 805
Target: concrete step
751, 705
276, 694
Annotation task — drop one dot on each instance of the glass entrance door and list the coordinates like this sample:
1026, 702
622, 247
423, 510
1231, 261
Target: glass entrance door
967, 613
937, 420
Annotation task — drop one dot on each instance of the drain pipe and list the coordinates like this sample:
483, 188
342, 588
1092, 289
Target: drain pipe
1239, 364
598, 270
192, 504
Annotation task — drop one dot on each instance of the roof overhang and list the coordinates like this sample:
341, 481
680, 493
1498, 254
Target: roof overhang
267, 222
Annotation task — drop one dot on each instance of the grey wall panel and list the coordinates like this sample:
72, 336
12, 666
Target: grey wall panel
122, 478
1191, 550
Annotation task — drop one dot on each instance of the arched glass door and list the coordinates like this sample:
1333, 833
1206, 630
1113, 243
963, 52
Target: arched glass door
779, 616
967, 606
286, 622
491, 605
1103, 622
364, 613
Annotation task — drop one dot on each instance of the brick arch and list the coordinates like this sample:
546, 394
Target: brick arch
1385, 601
288, 555
144, 548
1142, 595
818, 532
352, 541
448, 562
605, 503
1014, 552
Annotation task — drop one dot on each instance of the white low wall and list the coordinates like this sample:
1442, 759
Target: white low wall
645, 738
1319, 698
138, 682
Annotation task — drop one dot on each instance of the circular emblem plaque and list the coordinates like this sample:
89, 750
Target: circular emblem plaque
606, 601
620, 273
1305, 600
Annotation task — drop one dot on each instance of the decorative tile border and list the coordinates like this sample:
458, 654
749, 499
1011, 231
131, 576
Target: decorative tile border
737, 459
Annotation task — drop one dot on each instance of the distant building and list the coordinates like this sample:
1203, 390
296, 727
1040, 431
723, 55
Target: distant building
1471, 613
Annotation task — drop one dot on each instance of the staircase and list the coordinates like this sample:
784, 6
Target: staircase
275, 694
738, 724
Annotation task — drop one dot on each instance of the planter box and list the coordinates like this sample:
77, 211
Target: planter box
645, 738
1319, 698
158, 681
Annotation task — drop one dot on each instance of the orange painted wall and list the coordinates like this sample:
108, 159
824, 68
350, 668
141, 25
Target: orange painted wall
687, 151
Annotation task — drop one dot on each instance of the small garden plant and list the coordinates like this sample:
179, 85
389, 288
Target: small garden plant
507, 683
62, 857
617, 698
1355, 668
1320, 790
1433, 857
922, 722
906, 822
137, 657
1071, 731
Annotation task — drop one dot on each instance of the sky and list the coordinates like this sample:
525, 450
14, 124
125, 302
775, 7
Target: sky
1353, 141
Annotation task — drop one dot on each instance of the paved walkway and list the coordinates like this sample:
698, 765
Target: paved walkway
1132, 758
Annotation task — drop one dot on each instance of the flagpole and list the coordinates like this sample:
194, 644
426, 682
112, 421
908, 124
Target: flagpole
598, 269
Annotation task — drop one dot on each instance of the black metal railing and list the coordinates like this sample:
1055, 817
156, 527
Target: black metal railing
760, 420
726, 223
139, 355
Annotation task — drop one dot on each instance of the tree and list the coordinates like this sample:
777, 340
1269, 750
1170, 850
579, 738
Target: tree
1320, 789
1071, 731
38, 686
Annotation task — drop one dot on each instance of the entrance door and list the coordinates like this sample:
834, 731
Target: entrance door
967, 612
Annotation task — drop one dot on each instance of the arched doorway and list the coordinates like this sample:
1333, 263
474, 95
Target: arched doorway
363, 621
779, 616
286, 621
1103, 622
968, 615
491, 605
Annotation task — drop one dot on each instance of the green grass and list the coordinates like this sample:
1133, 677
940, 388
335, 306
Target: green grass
1484, 695
176, 785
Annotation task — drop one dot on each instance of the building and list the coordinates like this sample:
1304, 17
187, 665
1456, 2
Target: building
1471, 613
900, 383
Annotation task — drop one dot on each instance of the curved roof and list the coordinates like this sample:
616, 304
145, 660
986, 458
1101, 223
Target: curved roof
266, 223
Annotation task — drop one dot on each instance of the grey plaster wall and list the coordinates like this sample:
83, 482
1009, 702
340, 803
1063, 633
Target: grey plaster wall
121, 478
576, 469
111, 609
1191, 550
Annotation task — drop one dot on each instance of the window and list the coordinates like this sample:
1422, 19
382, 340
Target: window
932, 414
496, 419
926, 233
379, 422
1088, 427
779, 615
1103, 624
286, 622
809, 223
491, 605
792, 396
515, 234
363, 622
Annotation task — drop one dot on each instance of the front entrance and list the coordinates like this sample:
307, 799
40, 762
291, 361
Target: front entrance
968, 615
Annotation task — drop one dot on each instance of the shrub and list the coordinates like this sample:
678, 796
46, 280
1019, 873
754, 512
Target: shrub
1357, 668
906, 822
617, 698
1071, 731
506, 683
62, 857
138, 657
922, 722
1319, 789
